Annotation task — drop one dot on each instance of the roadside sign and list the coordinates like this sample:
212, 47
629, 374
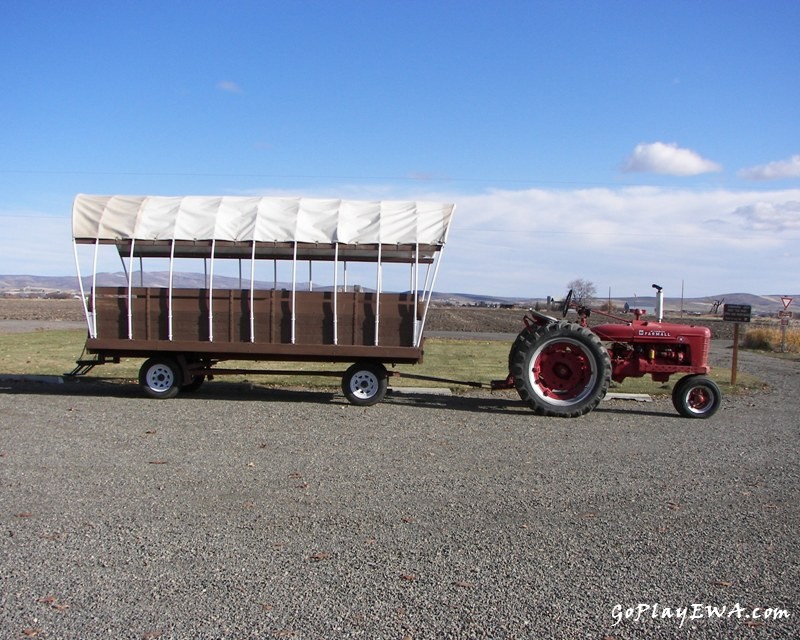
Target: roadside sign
736, 312
786, 300
784, 314
784, 322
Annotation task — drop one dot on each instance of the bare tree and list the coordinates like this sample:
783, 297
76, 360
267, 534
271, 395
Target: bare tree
583, 291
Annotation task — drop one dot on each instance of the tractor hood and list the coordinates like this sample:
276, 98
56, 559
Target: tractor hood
650, 332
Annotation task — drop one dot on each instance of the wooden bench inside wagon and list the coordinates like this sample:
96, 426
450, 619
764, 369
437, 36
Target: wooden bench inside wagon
184, 333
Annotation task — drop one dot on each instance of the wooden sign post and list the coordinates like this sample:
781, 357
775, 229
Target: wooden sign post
736, 313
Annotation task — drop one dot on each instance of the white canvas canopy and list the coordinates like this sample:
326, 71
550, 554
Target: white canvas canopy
260, 219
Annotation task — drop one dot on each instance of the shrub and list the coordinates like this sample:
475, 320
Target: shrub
770, 339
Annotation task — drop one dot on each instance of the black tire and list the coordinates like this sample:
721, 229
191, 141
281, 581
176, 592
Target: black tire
160, 377
696, 396
520, 341
562, 370
194, 385
365, 383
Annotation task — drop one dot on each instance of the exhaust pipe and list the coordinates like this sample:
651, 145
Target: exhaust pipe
659, 302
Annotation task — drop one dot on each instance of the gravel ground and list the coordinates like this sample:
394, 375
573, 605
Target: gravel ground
245, 512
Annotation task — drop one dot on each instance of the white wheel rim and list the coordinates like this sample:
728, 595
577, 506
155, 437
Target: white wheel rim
160, 378
364, 385
699, 400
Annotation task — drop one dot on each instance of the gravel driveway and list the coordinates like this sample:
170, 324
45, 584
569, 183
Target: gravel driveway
252, 513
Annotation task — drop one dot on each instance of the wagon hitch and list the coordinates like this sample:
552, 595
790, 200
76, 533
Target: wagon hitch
502, 385
415, 376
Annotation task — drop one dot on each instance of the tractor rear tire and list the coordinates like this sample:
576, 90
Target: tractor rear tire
522, 338
696, 396
561, 370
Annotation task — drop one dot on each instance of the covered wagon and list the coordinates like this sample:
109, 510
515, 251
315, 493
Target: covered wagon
185, 333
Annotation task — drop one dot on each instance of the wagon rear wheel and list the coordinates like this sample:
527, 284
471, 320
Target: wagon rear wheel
160, 377
696, 397
365, 383
561, 370
194, 384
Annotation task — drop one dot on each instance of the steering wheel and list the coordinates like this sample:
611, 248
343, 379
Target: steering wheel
565, 306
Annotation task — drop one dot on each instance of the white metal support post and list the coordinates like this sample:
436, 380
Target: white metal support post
211, 293
336, 293
429, 293
378, 297
80, 286
294, 288
253, 293
415, 284
169, 291
130, 291
93, 329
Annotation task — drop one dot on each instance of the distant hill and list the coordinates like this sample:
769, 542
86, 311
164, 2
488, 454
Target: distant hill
44, 285
760, 304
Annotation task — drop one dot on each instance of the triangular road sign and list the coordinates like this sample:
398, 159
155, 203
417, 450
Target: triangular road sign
786, 301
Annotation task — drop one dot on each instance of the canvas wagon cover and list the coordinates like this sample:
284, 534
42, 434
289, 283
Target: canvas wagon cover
119, 218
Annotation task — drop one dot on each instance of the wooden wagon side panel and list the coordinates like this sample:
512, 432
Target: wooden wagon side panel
230, 318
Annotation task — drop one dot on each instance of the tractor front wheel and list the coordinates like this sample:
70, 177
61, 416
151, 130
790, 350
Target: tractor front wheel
696, 397
561, 369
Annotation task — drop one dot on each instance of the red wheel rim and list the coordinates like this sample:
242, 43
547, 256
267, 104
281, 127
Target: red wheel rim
563, 371
699, 399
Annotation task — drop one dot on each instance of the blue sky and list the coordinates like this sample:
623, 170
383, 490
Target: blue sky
621, 142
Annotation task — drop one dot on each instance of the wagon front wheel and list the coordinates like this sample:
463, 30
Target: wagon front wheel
160, 377
365, 383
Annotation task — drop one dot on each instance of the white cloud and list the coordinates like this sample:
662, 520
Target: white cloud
768, 216
533, 242
229, 87
668, 159
774, 170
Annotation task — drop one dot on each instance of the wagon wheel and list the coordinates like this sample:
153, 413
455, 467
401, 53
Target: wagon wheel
194, 385
561, 370
696, 396
160, 377
365, 383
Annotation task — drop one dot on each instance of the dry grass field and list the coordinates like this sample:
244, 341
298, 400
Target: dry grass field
459, 319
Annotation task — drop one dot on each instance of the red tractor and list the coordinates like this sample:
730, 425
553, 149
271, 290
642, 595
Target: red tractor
564, 368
